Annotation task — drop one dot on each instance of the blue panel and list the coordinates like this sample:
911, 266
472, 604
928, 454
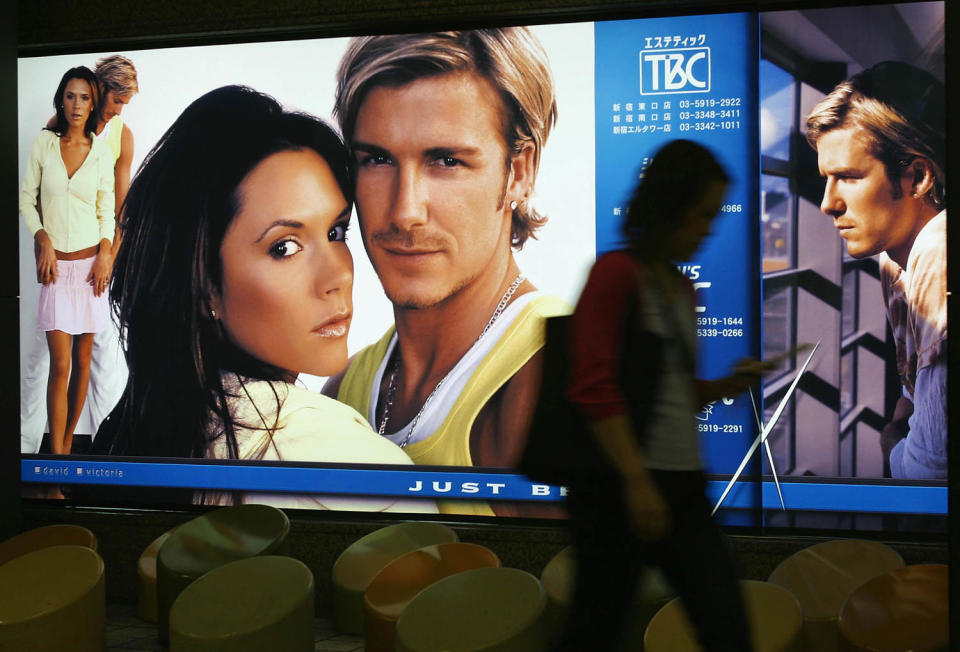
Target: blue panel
835, 496
692, 77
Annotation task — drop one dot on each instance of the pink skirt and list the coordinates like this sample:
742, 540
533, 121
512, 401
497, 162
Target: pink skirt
69, 305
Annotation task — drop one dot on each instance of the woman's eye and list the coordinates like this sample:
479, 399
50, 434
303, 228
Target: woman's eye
285, 248
339, 232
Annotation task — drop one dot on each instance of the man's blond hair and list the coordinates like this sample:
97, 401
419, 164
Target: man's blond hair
116, 73
511, 59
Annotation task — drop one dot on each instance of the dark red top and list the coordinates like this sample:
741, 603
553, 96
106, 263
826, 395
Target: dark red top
596, 332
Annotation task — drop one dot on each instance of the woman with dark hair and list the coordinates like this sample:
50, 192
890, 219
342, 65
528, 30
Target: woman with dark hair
643, 502
70, 174
233, 277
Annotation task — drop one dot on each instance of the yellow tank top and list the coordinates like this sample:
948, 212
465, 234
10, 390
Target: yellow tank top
112, 134
450, 444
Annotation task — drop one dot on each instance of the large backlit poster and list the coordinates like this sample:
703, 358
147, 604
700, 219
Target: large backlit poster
773, 275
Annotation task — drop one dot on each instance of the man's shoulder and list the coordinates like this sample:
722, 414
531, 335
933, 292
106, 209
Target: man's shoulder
353, 383
100, 149
549, 305
931, 241
927, 263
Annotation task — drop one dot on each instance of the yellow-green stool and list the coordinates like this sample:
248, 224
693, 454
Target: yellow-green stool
147, 579
212, 540
43, 537
773, 613
250, 605
404, 578
52, 600
481, 610
822, 576
364, 558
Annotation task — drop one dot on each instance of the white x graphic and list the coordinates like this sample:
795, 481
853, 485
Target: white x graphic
765, 432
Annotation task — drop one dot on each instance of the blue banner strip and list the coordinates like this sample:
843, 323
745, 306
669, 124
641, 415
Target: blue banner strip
834, 496
293, 479
840, 497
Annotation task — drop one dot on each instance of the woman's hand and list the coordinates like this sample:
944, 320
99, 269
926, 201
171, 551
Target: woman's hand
99, 276
744, 375
647, 511
46, 258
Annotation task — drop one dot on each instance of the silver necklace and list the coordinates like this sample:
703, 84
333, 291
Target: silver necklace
392, 386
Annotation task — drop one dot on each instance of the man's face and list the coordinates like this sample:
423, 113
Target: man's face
113, 104
859, 195
433, 188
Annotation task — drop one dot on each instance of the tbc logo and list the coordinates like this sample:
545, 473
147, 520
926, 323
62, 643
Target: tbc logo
685, 70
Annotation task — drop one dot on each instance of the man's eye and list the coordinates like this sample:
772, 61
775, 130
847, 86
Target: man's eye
373, 159
285, 248
448, 162
339, 232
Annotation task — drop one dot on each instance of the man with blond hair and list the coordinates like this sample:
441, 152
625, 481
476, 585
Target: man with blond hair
445, 132
880, 145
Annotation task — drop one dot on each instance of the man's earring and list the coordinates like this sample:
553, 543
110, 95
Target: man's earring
513, 205
213, 314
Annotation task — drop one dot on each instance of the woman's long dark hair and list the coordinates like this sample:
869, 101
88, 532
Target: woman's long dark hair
675, 181
60, 122
176, 214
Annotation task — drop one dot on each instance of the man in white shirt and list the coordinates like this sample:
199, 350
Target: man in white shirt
880, 143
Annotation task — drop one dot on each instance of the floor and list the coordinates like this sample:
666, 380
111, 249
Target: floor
125, 631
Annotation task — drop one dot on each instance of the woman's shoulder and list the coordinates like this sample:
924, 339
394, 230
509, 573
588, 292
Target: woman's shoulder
314, 427
623, 259
45, 138
621, 267
319, 405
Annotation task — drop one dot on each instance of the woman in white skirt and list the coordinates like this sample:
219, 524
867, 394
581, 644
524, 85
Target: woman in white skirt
67, 204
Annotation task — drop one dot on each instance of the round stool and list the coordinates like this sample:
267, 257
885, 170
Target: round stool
364, 558
53, 599
822, 576
902, 609
559, 576
211, 540
482, 610
402, 579
653, 593
260, 603
772, 611
43, 537
147, 579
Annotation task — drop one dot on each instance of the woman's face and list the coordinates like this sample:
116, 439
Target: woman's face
694, 224
287, 272
77, 102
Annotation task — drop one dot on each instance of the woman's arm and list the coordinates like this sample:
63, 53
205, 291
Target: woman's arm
742, 377
29, 210
597, 331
